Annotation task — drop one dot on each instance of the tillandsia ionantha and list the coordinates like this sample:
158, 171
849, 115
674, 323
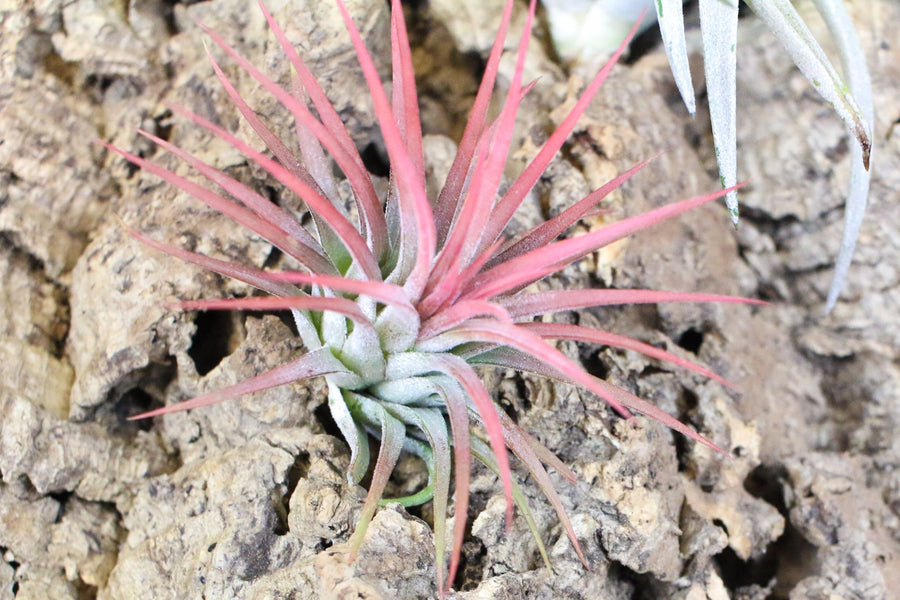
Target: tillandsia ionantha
574, 25
398, 304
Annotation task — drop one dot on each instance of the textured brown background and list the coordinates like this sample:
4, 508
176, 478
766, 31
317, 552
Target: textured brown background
248, 499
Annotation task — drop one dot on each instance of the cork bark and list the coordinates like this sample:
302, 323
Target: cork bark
249, 500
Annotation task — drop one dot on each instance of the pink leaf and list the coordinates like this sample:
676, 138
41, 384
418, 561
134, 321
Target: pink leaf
450, 194
504, 334
313, 364
525, 306
266, 229
342, 306
255, 277
348, 234
415, 211
523, 449
332, 134
525, 341
405, 99
458, 314
272, 141
563, 331
476, 206
463, 373
542, 452
263, 207
457, 414
387, 293
531, 266
520, 188
548, 231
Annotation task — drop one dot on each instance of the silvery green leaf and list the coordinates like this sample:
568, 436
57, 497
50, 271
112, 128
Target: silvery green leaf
397, 328
436, 454
670, 14
718, 25
392, 434
422, 450
361, 351
333, 328
853, 60
418, 391
855, 70
435, 427
306, 329
795, 36
353, 433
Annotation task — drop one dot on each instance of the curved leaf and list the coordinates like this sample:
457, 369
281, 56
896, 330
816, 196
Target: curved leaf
670, 14
854, 66
718, 24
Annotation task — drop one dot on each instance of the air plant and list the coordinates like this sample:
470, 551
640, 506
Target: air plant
399, 304
850, 95
850, 98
